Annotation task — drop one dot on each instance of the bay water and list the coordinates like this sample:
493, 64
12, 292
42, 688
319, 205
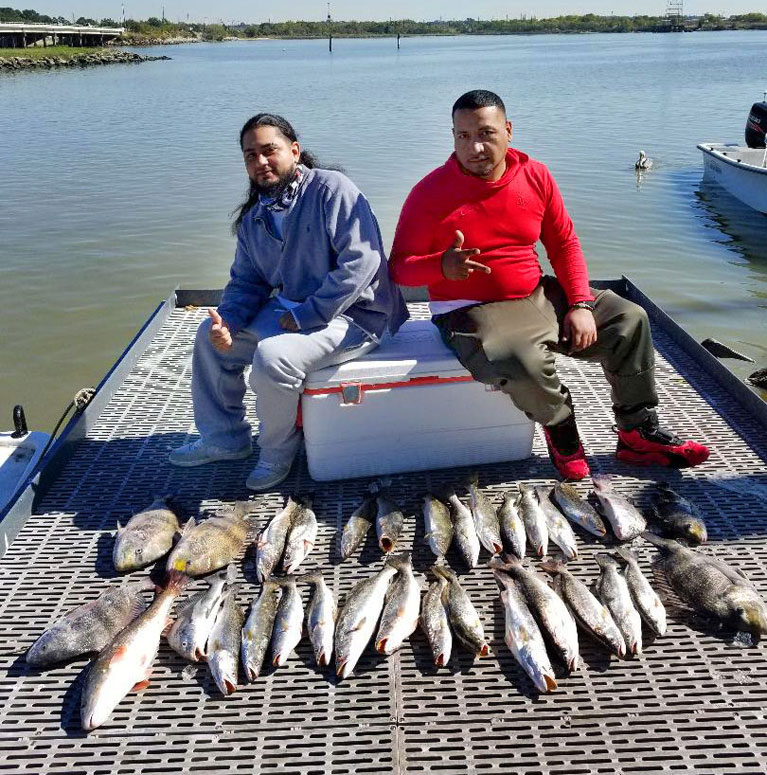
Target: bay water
117, 183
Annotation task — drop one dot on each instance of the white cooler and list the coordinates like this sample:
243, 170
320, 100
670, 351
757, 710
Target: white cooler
408, 405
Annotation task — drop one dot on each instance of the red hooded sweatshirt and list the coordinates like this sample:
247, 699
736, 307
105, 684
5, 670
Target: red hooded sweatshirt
503, 218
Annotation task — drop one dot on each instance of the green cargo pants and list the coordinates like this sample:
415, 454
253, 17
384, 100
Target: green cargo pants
512, 344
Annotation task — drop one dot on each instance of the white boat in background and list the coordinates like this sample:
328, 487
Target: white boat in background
20, 452
742, 169
739, 170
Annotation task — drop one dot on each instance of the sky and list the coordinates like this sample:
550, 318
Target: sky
230, 11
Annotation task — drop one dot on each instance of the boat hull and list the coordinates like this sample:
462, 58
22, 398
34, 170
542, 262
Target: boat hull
744, 179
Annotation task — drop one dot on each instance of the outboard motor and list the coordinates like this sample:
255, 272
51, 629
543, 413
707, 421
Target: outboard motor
756, 126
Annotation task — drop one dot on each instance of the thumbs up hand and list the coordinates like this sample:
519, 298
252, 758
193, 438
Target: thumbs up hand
219, 334
457, 262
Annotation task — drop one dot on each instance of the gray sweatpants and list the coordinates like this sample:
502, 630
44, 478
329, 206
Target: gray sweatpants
512, 344
281, 361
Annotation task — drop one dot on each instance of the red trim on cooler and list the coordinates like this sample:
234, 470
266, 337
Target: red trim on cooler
414, 382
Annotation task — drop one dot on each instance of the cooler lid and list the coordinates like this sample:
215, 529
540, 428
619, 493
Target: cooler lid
416, 351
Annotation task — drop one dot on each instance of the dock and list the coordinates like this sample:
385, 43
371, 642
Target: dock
692, 703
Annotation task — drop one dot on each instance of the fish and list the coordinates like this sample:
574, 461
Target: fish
589, 613
438, 526
624, 518
390, 521
126, 661
211, 544
676, 516
321, 617
613, 590
356, 528
270, 545
710, 586
462, 614
402, 605
189, 634
434, 622
148, 536
550, 612
534, 519
258, 628
512, 526
559, 528
485, 518
578, 510
465, 534
288, 623
358, 618
646, 600
225, 642
91, 626
524, 639
301, 536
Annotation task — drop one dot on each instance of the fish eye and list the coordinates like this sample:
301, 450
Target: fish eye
139, 551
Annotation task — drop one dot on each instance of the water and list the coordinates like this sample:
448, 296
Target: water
116, 183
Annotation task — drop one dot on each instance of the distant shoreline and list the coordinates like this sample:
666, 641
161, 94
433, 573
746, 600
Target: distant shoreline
144, 42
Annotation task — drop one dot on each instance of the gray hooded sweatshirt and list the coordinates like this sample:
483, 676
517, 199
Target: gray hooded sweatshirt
331, 261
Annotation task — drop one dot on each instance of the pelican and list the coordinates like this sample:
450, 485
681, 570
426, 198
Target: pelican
643, 163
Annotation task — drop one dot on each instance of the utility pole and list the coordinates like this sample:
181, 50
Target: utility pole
330, 30
163, 14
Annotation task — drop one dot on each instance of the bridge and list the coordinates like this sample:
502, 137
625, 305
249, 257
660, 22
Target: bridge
21, 35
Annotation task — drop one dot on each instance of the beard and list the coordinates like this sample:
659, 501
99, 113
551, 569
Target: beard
276, 189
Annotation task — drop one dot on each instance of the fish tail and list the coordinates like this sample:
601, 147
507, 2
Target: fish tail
399, 561
550, 565
604, 560
176, 582
625, 554
312, 577
664, 544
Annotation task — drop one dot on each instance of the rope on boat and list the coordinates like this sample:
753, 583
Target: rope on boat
78, 403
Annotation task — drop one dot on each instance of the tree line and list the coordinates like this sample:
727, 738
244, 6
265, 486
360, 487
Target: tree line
154, 27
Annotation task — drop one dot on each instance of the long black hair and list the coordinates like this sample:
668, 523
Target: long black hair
285, 128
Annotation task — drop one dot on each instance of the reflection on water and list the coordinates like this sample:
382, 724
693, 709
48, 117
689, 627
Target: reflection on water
742, 229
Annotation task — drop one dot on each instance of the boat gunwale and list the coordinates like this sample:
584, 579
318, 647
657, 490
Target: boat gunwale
708, 148
22, 506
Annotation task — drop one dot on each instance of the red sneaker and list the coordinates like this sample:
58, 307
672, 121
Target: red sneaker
651, 445
565, 449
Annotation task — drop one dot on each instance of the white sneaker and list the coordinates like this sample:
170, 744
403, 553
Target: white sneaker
266, 475
197, 453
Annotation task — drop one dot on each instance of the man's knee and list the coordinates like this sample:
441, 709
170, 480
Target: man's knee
522, 361
272, 363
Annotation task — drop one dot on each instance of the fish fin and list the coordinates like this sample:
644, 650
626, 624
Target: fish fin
137, 608
168, 624
230, 574
190, 602
176, 581
360, 624
189, 525
120, 529
141, 685
671, 600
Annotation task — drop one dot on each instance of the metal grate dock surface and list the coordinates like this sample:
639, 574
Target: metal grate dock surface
691, 703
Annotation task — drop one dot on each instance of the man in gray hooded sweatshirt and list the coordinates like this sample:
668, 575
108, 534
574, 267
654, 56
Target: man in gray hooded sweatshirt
309, 288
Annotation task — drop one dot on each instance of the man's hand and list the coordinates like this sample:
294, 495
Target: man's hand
219, 334
579, 330
457, 263
288, 322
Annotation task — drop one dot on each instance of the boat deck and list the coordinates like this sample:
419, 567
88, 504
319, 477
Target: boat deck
691, 703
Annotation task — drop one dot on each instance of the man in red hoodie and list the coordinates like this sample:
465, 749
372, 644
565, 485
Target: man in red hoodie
468, 231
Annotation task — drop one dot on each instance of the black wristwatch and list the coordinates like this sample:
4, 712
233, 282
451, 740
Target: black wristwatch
589, 305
